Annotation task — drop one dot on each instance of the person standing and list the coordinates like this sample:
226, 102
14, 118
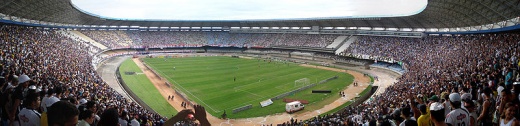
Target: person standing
437, 114
29, 116
19, 94
424, 119
457, 116
86, 118
124, 119
110, 117
133, 121
509, 118
407, 119
62, 113
488, 108
470, 106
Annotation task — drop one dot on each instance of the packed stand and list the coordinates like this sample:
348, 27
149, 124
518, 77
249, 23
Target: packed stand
458, 80
168, 39
41, 68
92, 49
117, 39
112, 39
306, 40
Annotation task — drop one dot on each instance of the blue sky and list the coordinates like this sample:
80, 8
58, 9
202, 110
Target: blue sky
248, 9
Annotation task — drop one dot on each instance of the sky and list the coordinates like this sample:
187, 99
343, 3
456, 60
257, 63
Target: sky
248, 9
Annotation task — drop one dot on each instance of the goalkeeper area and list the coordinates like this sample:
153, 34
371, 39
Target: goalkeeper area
221, 83
302, 82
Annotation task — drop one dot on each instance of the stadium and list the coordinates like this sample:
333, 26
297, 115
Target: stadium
446, 62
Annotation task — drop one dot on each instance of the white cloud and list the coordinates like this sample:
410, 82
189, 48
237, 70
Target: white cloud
248, 9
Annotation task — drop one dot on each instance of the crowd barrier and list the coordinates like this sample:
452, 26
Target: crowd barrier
239, 109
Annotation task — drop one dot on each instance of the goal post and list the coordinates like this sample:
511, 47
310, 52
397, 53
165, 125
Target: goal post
302, 82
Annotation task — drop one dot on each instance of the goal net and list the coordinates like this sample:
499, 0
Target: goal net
302, 82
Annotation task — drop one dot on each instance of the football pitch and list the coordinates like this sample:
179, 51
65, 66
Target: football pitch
221, 83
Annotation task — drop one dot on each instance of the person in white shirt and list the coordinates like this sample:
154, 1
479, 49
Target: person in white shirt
29, 116
123, 119
43, 103
54, 98
134, 121
509, 118
457, 116
437, 115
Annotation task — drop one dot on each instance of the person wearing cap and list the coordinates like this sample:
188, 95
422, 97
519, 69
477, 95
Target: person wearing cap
434, 98
457, 116
82, 101
465, 97
437, 115
18, 96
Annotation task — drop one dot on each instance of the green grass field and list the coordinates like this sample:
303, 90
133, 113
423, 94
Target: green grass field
208, 81
144, 89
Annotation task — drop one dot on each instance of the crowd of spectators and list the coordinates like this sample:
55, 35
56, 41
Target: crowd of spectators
113, 39
55, 68
473, 76
119, 39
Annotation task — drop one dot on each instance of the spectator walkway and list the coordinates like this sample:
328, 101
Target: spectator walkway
108, 74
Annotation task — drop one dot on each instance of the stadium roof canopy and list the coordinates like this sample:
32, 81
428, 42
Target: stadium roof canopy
233, 10
437, 14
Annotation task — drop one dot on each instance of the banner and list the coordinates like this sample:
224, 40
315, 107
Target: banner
266, 103
369, 57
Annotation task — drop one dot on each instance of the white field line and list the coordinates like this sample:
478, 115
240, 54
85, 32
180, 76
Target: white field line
248, 92
186, 90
